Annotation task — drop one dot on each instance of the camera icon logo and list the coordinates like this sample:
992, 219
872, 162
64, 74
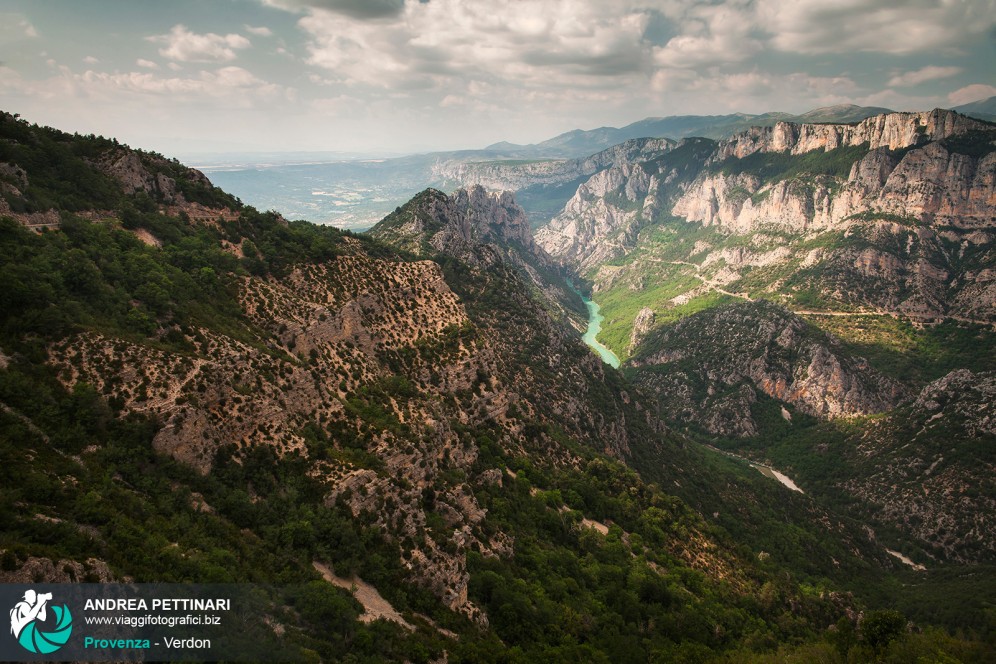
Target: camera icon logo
29, 618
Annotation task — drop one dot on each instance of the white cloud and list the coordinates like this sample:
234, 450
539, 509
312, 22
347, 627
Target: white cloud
228, 83
90, 60
561, 43
931, 73
709, 34
875, 26
186, 46
261, 31
226, 87
15, 27
900, 101
148, 64
361, 9
970, 93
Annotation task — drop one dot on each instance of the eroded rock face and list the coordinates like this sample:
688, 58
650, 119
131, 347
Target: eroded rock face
599, 222
904, 232
928, 183
706, 368
483, 229
964, 399
927, 469
514, 176
890, 130
45, 570
642, 325
127, 168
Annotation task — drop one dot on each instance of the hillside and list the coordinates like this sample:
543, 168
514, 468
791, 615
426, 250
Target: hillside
983, 109
579, 142
193, 390
786, 293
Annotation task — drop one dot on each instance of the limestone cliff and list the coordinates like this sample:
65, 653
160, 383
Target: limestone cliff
602, 219
890, 130
514, 175
481, 228
707, 368
932, 185
892, 214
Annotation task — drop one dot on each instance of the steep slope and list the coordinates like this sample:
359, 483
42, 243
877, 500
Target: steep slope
462, 226
235, 398
580, 142
604, 215
543, 186
881, 232
921, 475
816, 216
708, 369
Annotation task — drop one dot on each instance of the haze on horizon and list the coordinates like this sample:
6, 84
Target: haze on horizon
395, 76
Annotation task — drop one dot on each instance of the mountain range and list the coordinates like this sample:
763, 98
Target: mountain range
193, 390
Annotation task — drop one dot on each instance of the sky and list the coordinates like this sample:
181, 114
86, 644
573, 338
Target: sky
399, 76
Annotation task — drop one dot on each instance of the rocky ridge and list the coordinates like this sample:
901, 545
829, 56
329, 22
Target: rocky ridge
893, 214
929, 468
889, 130
514, 175
481, 228
708, 367
906, 168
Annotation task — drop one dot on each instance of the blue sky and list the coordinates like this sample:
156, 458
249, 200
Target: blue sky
182, 76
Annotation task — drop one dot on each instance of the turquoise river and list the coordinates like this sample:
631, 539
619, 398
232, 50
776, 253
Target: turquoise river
594, 327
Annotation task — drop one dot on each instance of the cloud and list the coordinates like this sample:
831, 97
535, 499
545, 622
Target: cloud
15, 27
931, 73
148, 64
899, 101
530, 42
261, 31
970, 93
206, 85
709, 34
876, 26
231, 87
186, 46
359, 9
754, 91
90, 60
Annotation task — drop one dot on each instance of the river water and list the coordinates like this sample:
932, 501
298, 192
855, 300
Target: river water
594, 327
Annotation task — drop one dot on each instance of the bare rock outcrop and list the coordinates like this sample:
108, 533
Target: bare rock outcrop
706, 368
889, 130
514, 175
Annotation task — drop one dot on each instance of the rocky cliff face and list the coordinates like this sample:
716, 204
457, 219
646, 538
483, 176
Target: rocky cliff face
602, 219
481, 228
928, 468
932, 185
592, 213
707, 368
908, 164
893, 214
890, 130
515, 175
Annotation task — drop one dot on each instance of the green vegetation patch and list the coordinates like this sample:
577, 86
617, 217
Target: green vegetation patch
775, 166
913, 354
